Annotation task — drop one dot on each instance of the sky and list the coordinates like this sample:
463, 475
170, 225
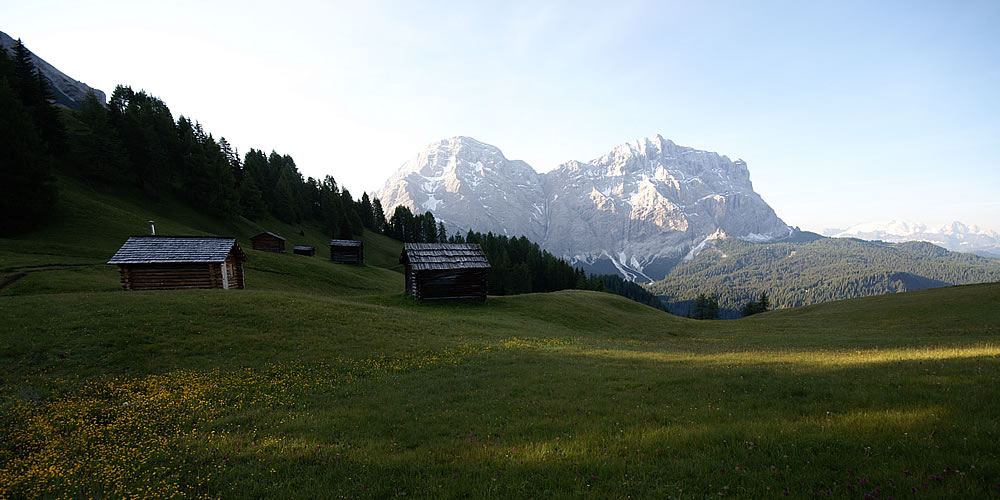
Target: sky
845, 111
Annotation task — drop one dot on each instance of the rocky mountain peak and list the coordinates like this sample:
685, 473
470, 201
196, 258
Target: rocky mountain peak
469, 184
65, 90
637, 210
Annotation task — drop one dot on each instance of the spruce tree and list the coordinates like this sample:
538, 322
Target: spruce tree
366, 212
378, 216
27, 191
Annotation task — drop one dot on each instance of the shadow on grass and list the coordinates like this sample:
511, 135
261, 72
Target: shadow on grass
531, 419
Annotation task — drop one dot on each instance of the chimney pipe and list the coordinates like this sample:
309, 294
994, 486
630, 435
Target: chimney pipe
152, 227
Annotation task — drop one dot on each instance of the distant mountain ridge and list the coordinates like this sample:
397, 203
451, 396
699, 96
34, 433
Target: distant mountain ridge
637, 210
66, 90
808, 272
957, 237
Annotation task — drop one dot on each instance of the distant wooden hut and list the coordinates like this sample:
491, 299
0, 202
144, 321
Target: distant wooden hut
445, 270
169, 262
347, 251
304, 250
268, 242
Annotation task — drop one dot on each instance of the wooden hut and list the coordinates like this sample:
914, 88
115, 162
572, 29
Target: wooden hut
347, 251
268, 242
169, 262
444, 270
304, 250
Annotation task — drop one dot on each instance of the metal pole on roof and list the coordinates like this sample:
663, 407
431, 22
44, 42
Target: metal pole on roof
152, 227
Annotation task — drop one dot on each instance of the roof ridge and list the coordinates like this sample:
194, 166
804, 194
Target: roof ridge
180, 236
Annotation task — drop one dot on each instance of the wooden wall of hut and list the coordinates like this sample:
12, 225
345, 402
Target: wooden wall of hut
446, 284
178, 276
268, 243
347, 255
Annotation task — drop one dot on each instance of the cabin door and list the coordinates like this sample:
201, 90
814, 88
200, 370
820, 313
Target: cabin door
225, 276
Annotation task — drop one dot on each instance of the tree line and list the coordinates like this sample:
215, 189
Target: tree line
518, 265
32, 138
797, 274
135, 141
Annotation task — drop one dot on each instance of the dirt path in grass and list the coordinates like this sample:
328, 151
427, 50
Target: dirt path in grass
21, 272
10, 280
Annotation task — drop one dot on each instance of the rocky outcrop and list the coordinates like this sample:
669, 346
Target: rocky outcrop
637, 210
647, 203
65, 90
470, 185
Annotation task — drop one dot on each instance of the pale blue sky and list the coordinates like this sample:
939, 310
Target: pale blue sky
845, 112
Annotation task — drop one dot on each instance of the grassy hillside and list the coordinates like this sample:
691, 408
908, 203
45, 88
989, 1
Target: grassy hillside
810, 271
70, 253
322, 380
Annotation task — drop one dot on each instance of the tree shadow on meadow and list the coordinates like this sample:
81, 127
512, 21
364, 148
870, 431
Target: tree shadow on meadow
532, 423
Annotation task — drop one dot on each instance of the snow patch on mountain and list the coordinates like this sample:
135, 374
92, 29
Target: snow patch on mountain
640, 208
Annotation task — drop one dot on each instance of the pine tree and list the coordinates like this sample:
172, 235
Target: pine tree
251, 200
96, 151
27, 191
428, 229
284, 202
378, 216
366, 212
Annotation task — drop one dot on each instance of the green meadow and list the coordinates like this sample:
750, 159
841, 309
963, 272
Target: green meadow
323, 380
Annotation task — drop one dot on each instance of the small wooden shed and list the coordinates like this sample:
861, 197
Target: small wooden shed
170, 262
268, 242
304, 250
347, 251
445, 270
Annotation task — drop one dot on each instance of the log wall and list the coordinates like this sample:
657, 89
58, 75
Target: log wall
175, 276
446, 284
268, 244
347, 255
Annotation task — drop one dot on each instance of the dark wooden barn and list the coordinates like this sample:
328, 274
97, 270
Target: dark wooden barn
304, 250
347, 251
268, 242
445, 270
169, 262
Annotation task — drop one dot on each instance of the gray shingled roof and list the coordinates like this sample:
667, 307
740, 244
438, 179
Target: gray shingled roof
175, 249
268, 233
345, 243
437, 256
302, 247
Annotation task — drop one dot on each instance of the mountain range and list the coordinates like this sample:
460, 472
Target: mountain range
638, 210
810, 269
65, 90
957, 237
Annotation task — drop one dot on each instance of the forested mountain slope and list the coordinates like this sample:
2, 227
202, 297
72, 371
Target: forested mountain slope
800, 273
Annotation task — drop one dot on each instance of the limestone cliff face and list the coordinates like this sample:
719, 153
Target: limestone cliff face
470, 185
639, 209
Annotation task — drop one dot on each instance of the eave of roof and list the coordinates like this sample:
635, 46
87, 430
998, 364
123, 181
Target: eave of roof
176, 250
443, 256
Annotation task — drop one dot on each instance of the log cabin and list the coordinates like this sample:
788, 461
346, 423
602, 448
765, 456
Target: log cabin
347, 251
304, 250
171, 262
445, 270
268, 242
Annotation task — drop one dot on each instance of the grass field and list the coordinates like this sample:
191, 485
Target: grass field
321, 380
69, 255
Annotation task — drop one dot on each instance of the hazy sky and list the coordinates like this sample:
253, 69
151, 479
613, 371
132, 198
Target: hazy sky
845, 111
